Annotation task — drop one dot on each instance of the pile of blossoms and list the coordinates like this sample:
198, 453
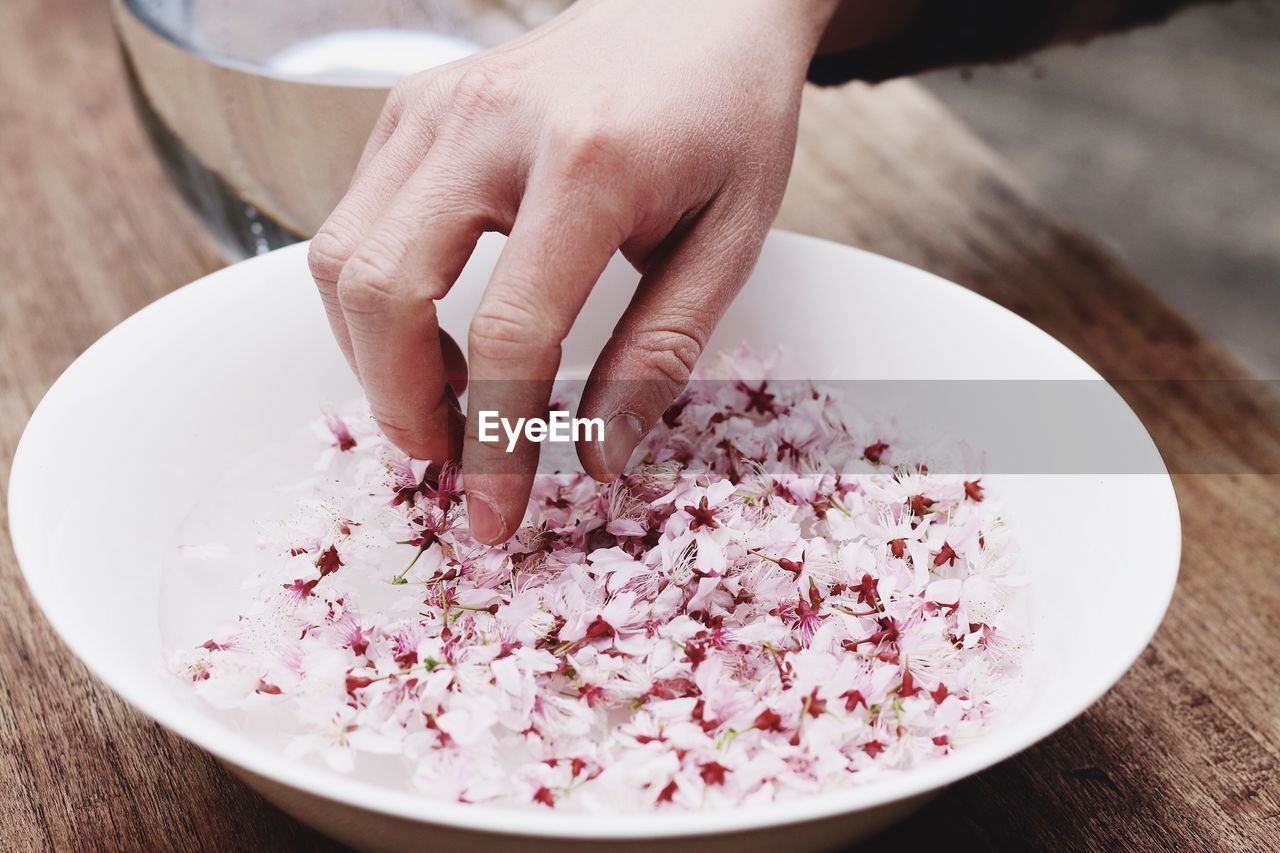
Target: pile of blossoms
777, 599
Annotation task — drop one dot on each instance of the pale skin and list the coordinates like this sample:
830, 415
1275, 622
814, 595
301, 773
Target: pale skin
663, 129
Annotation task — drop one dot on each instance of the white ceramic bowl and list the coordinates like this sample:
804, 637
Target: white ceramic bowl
136, 430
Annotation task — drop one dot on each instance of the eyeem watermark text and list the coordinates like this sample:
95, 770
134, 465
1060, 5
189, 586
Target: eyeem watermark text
558, 427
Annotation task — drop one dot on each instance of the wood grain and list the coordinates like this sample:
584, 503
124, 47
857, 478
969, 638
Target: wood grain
1183, 753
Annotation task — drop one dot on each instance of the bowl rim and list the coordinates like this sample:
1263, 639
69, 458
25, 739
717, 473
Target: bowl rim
549, 824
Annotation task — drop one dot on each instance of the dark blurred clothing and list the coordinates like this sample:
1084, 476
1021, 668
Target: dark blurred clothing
968, 32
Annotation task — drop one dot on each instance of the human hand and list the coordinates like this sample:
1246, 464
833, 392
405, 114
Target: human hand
662, 128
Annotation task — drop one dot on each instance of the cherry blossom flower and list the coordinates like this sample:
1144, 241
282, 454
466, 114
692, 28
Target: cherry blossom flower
779, 599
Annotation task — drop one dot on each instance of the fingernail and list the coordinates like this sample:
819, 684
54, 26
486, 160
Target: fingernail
621, 435
486, 522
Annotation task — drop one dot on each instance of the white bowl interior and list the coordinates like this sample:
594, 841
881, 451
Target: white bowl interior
136, 430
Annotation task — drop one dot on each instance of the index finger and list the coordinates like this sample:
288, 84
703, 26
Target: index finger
388, 288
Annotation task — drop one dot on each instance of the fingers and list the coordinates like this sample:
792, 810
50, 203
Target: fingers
556, 252
647, 361
387, 291
410, 116
384, 127
399, 142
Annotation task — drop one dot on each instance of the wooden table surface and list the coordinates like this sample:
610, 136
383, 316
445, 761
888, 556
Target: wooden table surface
1183, 753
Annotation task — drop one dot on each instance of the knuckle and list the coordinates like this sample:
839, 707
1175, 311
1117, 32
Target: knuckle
485, 89
376, 277
668, 354
422, 113
408, 90
590, 147
368, 285
508, 330
327, 255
